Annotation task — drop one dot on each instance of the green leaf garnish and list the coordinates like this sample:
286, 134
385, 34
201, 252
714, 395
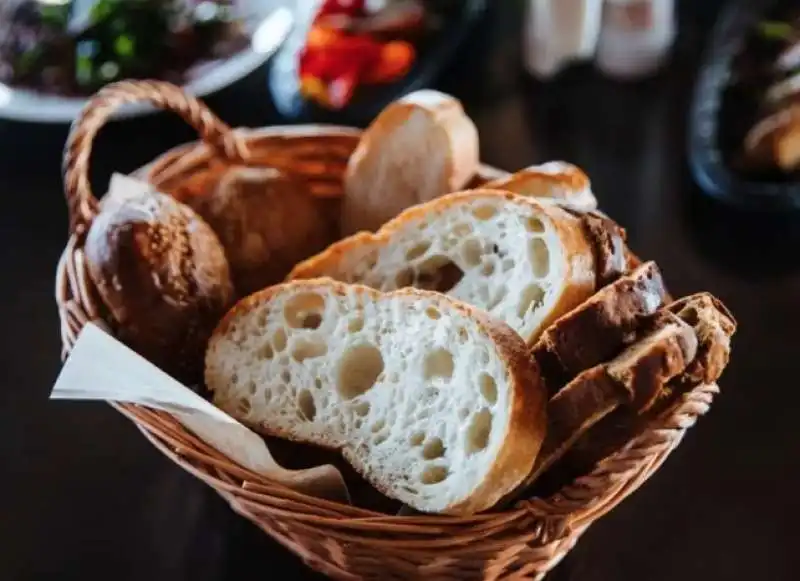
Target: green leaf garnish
776, 30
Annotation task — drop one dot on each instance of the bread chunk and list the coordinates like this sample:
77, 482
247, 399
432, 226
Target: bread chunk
433, 402
523, 262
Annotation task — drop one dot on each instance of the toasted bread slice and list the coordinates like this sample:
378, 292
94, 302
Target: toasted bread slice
610, 251
635, 378
523, 262
556, 182
433, 402
599, 328
419, 148
713, 327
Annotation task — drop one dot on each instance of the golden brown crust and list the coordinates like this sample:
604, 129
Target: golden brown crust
527, 420
266, 221
600, 327
369, 202
579, 267
568, 184
162, 273
580, 273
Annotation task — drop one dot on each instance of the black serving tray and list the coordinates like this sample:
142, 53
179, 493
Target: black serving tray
434, 55
707, 159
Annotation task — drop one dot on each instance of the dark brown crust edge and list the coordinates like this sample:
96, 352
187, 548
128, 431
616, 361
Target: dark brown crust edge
599, 328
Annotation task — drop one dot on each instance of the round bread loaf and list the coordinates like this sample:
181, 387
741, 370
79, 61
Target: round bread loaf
162, 273
267, 222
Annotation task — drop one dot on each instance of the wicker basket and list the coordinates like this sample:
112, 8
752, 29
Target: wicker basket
341, 541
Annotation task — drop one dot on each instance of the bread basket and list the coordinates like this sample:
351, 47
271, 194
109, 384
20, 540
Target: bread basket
341, 541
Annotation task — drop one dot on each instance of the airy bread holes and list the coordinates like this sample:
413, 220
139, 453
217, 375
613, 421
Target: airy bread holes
359, 370
265, 352
303, 349
532, 297
438, 364
433, 449
433, 313
433, 475
305, 403
404, 278
472, 252
534, 225
540, 258
304, 311
484, 212
355, 324
462, 229
416, 439
417, 250
361, 408
243, 407
488, 388
487, 269
438, 273
279, 340
480, 427
378, 426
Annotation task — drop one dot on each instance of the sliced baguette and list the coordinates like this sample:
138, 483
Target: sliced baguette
419, 148
523, 262
635, 379
599, 328
556, 182
433, 402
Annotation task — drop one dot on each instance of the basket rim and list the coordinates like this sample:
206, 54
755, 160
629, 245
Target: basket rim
573, 508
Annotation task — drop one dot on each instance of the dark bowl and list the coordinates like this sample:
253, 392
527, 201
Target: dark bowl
715, 123
435, 53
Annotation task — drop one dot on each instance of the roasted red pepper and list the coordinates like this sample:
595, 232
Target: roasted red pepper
334, 62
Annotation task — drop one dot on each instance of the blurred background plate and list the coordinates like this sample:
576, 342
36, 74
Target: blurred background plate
711, 117
435, 54
269, 21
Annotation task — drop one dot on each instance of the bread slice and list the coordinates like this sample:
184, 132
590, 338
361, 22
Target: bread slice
419, 148
599, 328
556, 182
713, 327
608, 240
433, 402
635, 378
523, 262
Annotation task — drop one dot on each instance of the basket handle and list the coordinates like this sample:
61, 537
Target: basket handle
81, 203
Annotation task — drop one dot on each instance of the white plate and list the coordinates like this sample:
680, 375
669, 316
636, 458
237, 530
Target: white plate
270, 27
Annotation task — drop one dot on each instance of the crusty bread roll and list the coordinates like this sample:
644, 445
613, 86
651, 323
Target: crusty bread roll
266, 220
161, 272
524, 262
436, 404
419, 148
552, 182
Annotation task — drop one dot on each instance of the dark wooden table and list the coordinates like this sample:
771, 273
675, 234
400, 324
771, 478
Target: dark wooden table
83, 496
